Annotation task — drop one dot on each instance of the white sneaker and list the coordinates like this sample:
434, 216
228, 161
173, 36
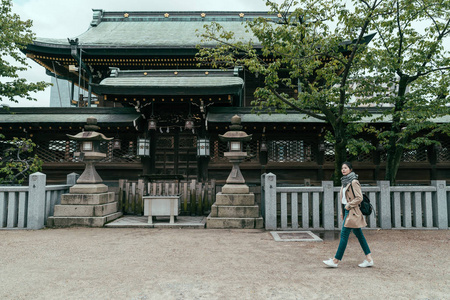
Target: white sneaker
366, 264
330, 263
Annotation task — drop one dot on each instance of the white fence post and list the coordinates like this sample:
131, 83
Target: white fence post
270, 198
72, 178
440, 208
36, 201
384, 210
328, 205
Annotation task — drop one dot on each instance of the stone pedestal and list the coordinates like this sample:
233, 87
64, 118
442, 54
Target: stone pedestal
235, 208
85, 208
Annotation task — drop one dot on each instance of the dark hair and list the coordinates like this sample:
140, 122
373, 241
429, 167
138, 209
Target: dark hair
349, 164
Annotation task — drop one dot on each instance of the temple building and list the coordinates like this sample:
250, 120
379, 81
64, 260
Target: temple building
144, 85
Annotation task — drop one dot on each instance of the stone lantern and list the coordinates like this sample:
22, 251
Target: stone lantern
90, 181
89, 203
235, 138
235, 205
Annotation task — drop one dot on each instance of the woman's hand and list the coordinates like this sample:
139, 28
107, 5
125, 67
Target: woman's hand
342, 216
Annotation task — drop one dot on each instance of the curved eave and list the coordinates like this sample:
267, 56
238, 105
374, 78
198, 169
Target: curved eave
108, 50
62, 47
68, 115
120, 90
169, 86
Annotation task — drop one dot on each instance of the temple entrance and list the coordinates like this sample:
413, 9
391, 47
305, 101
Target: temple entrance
175, 154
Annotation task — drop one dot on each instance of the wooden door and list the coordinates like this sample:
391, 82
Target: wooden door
176, 154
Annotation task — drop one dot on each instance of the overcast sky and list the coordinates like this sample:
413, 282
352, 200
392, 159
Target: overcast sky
63, 19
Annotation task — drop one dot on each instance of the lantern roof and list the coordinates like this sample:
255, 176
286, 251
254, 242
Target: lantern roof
90, 134
235, 134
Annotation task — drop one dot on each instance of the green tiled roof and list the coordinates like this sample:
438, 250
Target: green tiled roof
175, 82
41, 115
155, 30
224, 114
166, 82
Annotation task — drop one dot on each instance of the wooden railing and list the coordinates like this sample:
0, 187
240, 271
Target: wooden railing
196, 198
319, 208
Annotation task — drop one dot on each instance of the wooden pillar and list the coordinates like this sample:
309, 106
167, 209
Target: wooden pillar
176, 153
149, 166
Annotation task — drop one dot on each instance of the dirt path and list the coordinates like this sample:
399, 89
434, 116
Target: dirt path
88, 263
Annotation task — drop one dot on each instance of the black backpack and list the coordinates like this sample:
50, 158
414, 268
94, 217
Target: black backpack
365, 206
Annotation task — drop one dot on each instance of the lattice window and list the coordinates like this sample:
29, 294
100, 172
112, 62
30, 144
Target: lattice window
290, 151
126, 153
362, 157
252, 149
187, 142
443, 153
217, 148
329, 153
64, 150
57, 150
165, 142
415, 155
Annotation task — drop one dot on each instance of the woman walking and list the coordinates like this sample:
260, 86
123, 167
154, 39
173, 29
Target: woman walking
351, 196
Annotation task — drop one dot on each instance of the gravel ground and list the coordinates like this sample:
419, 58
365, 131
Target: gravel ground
128, 263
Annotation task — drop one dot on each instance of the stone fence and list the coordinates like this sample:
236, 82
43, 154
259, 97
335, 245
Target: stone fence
28, 207
399, 207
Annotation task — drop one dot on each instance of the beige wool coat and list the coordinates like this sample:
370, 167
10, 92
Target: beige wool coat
355, 218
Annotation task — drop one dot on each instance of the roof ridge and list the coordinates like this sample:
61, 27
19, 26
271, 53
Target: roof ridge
100, 15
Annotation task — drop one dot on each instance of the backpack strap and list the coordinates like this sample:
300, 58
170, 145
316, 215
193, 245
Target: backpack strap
351, 186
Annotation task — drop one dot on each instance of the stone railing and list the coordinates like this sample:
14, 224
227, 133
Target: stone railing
400, 207
28, 207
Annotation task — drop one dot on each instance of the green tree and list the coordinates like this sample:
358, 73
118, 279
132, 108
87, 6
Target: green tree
316, 68
15, 34
17, 161
411, 68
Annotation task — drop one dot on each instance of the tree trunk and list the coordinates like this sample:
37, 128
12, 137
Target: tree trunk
340, 154
394, 155
395, 150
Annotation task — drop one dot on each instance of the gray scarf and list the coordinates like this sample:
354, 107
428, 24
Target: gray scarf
348, 178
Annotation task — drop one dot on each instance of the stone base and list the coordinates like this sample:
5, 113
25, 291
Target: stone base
235, 189
82, 221
89, 188
85, 210
87, 199
234, 223
221, 211
92, 210
234, 208
235, 199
